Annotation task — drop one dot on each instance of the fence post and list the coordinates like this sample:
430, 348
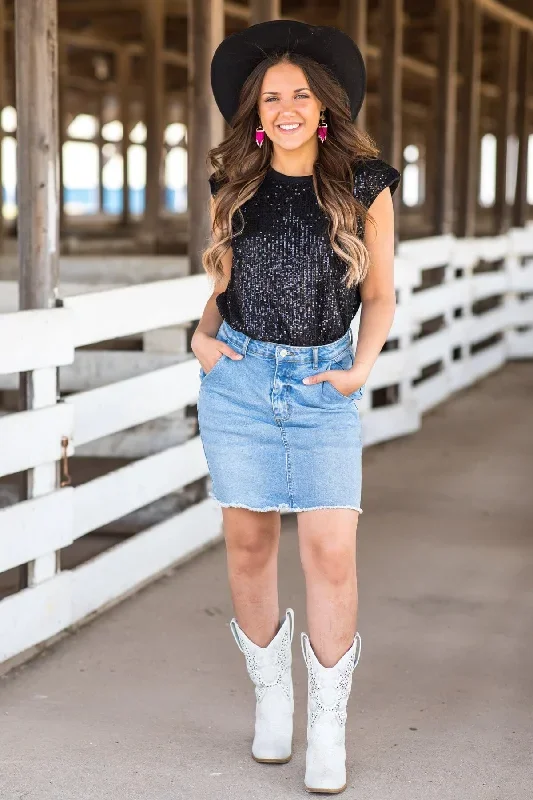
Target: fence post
38, 218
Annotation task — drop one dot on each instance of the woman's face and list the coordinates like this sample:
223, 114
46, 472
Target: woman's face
288, 110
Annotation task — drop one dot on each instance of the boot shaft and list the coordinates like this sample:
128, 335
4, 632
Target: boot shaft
328, 692
268, 666
329, 687
270, 670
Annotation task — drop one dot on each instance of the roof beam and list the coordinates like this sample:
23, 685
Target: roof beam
97, 6
87, 42
232, 9
497, 9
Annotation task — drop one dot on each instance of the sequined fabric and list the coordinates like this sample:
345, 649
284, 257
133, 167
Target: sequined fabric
287, 283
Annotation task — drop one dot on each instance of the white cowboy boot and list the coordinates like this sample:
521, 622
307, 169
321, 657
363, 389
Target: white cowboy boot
328, 693
270, 670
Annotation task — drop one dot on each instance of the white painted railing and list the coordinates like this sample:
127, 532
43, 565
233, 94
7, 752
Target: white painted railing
442, 340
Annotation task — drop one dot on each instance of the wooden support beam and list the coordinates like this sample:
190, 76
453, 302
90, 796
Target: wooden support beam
508, 65
62, 75
86, 42
173, 7
100, 145
205, 30
355, 23
237, 11
154, 112
37, 151
123, 73
445, 121
500, 11
390, 135
468, 132
523, 127
38, 213
391, 81
217, 32
96, 6
409, 64
264, 10
2, 104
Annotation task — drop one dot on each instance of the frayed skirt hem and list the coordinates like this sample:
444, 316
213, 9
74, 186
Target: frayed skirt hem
283, 507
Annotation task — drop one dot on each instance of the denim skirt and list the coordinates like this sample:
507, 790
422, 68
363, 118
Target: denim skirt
272, 442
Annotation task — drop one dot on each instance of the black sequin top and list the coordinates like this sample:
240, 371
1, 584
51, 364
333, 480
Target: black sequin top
287, 283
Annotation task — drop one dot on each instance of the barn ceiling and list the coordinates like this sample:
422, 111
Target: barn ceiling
94, 30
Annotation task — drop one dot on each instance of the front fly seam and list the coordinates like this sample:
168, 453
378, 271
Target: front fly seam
288, 468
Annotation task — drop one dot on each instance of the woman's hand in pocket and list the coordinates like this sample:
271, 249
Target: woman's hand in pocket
208, 350
345, 381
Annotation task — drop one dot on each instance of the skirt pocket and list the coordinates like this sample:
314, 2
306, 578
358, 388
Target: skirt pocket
205, 375
330, 392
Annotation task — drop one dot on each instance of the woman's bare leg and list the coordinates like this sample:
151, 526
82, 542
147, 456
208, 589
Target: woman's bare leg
327, 539
252, 544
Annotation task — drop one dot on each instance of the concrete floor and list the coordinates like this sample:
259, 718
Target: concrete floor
152, 699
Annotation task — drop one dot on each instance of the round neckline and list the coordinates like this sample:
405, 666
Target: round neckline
281, 176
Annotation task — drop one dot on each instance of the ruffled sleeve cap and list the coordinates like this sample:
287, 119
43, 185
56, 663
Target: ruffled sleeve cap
371, 176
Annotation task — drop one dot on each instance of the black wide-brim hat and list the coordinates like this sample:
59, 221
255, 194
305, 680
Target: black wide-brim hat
238, 55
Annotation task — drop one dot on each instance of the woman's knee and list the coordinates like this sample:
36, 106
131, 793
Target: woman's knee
252, 538
333, 562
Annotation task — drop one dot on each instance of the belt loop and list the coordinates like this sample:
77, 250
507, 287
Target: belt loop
351, 335
315, 357
245, 345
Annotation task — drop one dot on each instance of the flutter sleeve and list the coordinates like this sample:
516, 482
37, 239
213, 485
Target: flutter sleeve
371, 176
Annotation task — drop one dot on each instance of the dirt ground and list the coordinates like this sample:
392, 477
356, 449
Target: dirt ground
152, 700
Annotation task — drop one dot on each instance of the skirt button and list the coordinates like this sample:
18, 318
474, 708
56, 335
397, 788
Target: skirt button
283, 352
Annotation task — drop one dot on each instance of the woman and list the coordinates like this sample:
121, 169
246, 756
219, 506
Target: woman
294, 254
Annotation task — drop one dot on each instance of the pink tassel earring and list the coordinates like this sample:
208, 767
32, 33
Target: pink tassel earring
322, 128
259, 135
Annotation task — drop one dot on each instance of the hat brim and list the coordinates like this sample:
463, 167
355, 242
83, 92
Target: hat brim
238, 55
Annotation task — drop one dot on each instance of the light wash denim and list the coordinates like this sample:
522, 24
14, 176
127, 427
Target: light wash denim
272, 442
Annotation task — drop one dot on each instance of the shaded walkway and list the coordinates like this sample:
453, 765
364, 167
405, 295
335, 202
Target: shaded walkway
152, 700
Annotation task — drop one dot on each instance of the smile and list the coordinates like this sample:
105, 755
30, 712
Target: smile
289, 127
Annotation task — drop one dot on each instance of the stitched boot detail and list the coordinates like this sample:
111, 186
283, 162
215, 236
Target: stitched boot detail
270, 669
328, 692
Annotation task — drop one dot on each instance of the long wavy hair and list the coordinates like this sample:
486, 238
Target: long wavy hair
239, 167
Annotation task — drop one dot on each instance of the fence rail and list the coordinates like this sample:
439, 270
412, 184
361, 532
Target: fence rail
464, 308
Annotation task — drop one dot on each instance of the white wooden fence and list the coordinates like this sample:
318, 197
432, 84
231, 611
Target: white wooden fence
464, 308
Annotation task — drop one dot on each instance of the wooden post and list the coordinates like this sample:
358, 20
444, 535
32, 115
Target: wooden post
523, 128
206, 20
391, 88
154, 35
124, 100
38, 217
426, 130
62, 127
445, 114
355, 23
508, 64
2, 104
264, 10
100, 144
218, 28
468, 152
